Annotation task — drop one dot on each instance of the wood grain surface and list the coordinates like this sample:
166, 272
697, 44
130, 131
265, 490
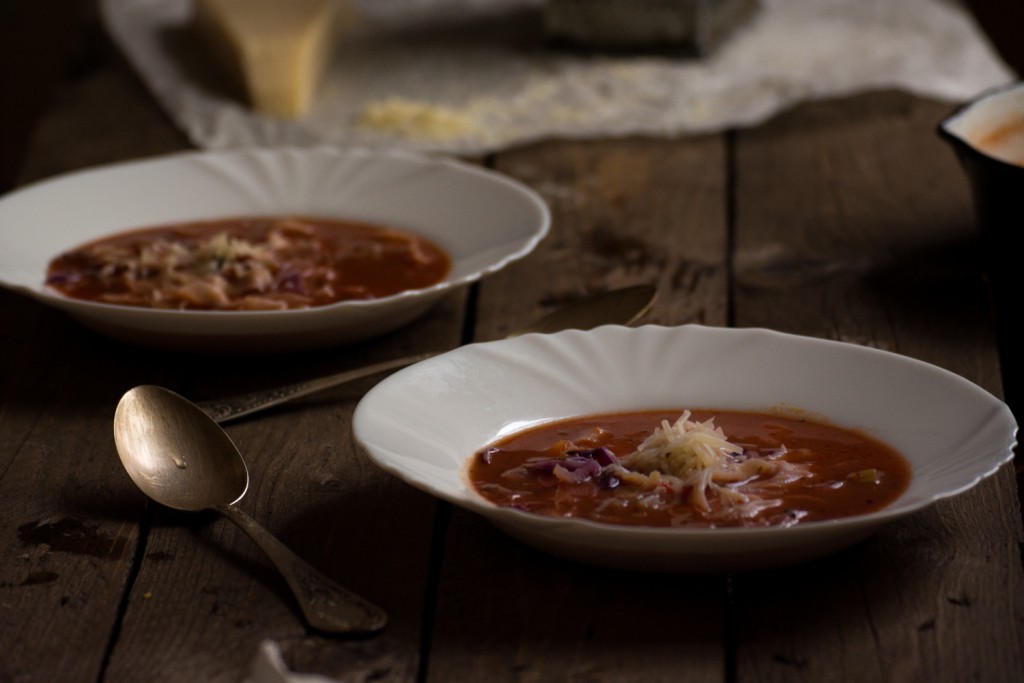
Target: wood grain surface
845, 219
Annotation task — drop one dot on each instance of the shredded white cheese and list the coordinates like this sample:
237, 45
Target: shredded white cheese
696, 459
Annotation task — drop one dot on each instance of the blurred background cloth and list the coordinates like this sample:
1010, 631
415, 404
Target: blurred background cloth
474, 76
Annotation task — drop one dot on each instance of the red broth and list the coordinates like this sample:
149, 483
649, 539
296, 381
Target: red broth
847, 473
249, 263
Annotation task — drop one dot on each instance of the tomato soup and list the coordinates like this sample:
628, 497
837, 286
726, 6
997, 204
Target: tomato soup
249, 263
773, 471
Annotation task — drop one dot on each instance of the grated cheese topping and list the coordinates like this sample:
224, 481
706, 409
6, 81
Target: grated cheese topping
695, 459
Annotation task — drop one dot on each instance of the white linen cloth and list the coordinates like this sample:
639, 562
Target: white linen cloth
481, 68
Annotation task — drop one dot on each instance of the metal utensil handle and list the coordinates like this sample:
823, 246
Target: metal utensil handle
326, 605
224, 409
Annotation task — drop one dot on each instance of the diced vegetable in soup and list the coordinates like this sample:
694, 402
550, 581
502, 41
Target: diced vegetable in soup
249, 263
699, 469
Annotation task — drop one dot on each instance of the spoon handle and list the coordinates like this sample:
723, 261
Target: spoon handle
326, 605
225, 409
622, 306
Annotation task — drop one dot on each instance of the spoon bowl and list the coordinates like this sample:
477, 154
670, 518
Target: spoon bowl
173, 454
178, 456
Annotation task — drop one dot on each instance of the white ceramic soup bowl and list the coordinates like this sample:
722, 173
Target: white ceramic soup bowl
423, 424
484, 221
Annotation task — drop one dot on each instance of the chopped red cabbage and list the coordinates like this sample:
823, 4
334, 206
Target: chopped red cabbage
579, 466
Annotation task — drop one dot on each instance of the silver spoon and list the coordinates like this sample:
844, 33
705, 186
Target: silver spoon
618, 306
180, 458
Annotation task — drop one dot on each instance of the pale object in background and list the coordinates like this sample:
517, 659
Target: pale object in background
275, 50
475, 76
992, 125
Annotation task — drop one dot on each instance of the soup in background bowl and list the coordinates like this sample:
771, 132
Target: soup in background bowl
481, 219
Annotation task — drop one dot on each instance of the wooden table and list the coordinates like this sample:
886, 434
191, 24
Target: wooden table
845, 220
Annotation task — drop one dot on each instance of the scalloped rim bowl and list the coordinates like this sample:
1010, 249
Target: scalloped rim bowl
483, 219
423, 424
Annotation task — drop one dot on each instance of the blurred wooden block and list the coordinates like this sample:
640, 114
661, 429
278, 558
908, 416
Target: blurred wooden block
692, 27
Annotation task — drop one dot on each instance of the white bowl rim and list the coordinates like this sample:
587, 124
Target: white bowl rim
252, 181
530, 195
471, 500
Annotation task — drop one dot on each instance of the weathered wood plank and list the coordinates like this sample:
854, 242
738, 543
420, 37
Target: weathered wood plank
842, 233
623, 212
67, 521
202, 591
311, 487
69, 517
834, 239
103, 115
